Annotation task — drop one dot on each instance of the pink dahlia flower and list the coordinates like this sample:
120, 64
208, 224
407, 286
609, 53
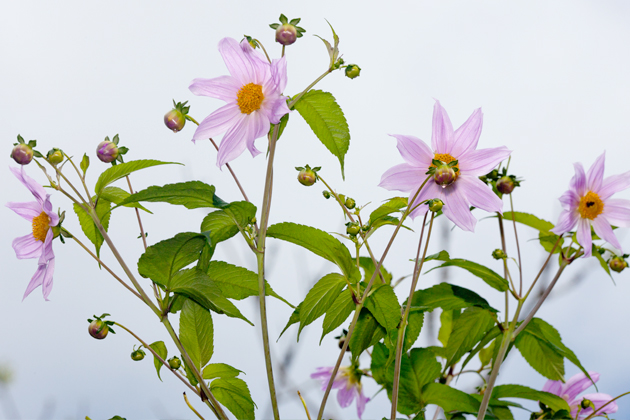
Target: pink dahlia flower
254, 99
588, 203
348, 383
570, 390
38, 243
458, 190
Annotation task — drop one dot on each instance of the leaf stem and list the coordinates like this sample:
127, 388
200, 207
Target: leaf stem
518, 249
299, 96
191, 407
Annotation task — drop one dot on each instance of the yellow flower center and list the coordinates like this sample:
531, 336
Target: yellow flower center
446, 158
590, 206
41, 224
249, 98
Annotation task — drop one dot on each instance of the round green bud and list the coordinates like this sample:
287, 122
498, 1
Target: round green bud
307, 177
617, 264
498, 254
286, 34
435, 205
137, 355
174, 363
505, 185
352, 228
54, 156
98, 329
586, 404
174, 120
326, 194
22, 154
350, 203
353, 71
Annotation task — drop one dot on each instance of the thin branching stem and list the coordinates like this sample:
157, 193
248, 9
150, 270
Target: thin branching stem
518, 249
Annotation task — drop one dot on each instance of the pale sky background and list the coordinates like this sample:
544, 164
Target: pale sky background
552, 78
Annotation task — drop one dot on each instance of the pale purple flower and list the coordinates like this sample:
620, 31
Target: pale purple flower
254, 99
588, 203
570, 390
348, 382
38, 243
448, 145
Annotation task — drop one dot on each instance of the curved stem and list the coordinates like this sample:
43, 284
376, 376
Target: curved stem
518, 251
81, 176
594, 413
299, 96
543, 267
506, 271
192, 408
403, 323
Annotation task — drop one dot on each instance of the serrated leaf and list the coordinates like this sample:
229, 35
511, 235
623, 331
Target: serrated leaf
196, 333
450, 399
87, 223
414, 326
325, 117
293, 319
226, 222
440, 256
447, 296
117, 195
383, 304
338, 312
190, 375
367, 332
190, 194
468, 329
234, 394
117, 172
529, 220
488, 353
392, 205
368, 267
602, 262
541, 356
160, 348
484, 273
318, 242
446, 325
519, 391
220, 370
320, 298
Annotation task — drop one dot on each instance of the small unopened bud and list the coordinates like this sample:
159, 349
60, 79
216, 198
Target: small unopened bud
505, 185
326, 194
54, 156
174, 120
352, 228
498, 254
353, 71
286, 34
98, 329
586, 404
107, 151
22, 154
137, 355
617, 264
350, 203
174, 362
435, 205
307, 177
444, 175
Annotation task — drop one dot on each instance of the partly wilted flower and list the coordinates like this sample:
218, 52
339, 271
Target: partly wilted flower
570, 390
588, 203
254, 99
348, 382
38, 243
456, 175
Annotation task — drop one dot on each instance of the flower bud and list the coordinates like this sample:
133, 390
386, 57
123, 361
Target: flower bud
617, 264
107, 151
22, 154
444, 175
586, 404
353, 71
137, 355
98, 329
498, 254
174, 120
174, 363
352, 228
505, 185
54, 156
326, 194
286, 34
435, 205
350, 203
307, 177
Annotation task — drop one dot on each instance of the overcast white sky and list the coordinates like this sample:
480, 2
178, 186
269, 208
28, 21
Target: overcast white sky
552, 78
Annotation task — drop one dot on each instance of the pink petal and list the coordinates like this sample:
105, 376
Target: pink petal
613, 184
457, 209
553, 387
27, 247
278, 110
479, 194
567, 220
47, 252
28, 210
47, 282
442, 137
223, 87
467, 135
403, 177
569, 200
584, 235
262, 68
602, 228
233, 143
578, 383
430, 191
219, 122
345, 395
480, 162
36, 280
237, 62
47, 207
257, 126
37, 190
279, 74
578, 182
361, 401
413, 150
598, 399
617, 212
595, 174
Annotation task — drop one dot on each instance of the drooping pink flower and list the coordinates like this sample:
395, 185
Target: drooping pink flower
254, 99
570, 390
588, 203
458, 190
38, 243
348, 382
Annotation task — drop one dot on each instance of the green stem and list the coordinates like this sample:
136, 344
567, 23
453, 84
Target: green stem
260, 255
81, 176
297, 98
518, 249
543, 267
403, 323
594, 413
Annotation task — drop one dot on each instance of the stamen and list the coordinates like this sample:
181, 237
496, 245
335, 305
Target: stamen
41, 224
590, 206
249, 98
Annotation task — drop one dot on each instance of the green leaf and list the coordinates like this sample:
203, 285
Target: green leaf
117, 172
392, 205
541, 356
237, 282
87, 223
234, 394
485, 354
378, 365
338, 312
225, 223
440, 256
416, 371
602, 261
367, 332
325, 117
161, 261
189, 372
196, 285
191, 194
519, 391
484, 273
548, 240
414, 326
220, 370
529, 220
117, 195
85, 164
468, 329
320, 298
160, 348
447, 296
318, 242
383, 304
368, 267
450, 399
446, 325
293, 319
283, 123
196, 333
